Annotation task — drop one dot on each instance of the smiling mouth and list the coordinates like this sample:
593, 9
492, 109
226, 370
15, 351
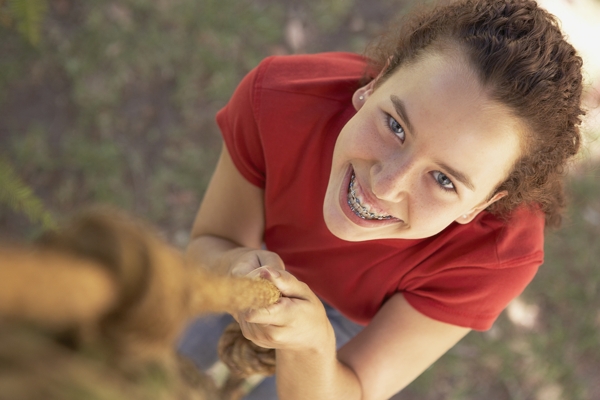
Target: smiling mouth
361, 210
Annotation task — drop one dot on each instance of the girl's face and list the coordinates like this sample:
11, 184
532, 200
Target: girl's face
426, 148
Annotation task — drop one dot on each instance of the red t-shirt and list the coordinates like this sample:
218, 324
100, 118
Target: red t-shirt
280, 128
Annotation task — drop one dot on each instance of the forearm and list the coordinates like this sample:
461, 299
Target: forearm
315, 374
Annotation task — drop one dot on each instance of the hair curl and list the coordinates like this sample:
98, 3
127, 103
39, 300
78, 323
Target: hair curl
522, 58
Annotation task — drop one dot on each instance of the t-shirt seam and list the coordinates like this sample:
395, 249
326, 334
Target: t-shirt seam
257, 87
496, 239
255, 102
304, 94
262, 71
454, 311
512, 263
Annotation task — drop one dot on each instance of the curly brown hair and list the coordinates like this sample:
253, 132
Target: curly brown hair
522, 58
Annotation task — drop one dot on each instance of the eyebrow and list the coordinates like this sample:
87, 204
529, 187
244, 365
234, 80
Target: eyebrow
401, 111
464, 179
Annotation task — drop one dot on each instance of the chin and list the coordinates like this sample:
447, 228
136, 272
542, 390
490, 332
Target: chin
344, 229
340, 228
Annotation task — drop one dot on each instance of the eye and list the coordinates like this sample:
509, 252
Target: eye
395, 127
443, 181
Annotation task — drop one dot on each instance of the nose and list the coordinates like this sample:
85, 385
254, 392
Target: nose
392, 180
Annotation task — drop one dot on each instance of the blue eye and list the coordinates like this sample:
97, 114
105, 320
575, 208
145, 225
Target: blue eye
396, 128
443, 181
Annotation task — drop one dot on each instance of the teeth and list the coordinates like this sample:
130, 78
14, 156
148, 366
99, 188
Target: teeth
358, 208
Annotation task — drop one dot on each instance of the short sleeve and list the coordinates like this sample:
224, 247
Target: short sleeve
239, 125
488, 269
471, 297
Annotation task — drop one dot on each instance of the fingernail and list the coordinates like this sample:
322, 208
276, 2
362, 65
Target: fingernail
265, 273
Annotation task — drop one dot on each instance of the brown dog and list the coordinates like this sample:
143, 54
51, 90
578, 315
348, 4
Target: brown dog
96, 309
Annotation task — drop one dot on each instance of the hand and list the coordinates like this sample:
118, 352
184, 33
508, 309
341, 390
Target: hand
250, 260
296, 322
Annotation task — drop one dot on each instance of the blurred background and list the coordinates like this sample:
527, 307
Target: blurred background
114, 102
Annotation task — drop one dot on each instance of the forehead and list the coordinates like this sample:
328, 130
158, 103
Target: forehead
452, 114
436, 73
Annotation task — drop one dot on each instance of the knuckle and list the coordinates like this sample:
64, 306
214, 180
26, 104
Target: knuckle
237, 270
273, 258
272, 337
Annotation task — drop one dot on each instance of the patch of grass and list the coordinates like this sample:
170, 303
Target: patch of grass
141, 82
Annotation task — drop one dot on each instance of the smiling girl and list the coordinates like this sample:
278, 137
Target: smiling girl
404, 192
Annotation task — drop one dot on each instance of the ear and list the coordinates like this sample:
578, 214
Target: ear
362, 94
470, 216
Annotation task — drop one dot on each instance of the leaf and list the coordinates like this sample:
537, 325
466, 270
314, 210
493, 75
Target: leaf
20, 198
28, 15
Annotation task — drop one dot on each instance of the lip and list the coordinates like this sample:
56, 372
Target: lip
343, 200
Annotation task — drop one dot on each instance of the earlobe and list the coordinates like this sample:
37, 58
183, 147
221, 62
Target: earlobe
361, 95
470, 216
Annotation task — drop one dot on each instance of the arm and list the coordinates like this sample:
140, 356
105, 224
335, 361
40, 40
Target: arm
396, 347
228, 230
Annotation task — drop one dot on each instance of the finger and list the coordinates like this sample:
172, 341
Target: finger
275, 314
287, 283
255, 259
258, 334
243, 268
261, 272
267, 258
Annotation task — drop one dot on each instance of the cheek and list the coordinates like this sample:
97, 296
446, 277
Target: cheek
359, 137
431, 214
424, 210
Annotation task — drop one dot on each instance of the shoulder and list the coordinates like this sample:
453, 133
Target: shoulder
519, 236
322, 74
471, 272
517, 239
293, 92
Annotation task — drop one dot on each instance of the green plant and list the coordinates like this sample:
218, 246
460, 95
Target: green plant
19, 197
27, 15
